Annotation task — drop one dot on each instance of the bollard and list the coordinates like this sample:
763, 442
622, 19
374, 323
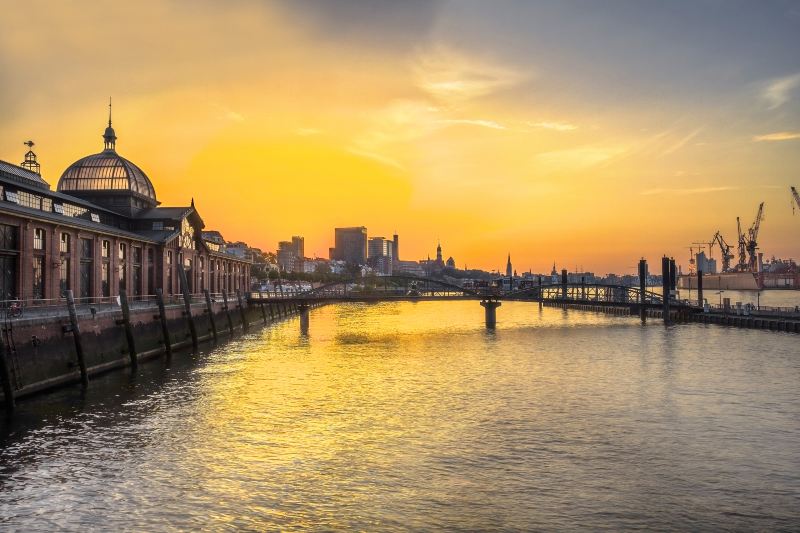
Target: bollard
162, 316
211, 314
76, 335
126, 323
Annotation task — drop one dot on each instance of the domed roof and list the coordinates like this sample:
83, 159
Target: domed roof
107, 171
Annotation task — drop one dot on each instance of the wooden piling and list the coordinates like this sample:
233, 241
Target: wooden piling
126, 323
227, 311
211, 314
240, 305
76, 335
162, 316
5, 376
187, 304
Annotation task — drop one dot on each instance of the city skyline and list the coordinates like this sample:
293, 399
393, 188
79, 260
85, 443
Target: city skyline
616, 133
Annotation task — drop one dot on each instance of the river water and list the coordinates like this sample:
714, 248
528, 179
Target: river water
411, 416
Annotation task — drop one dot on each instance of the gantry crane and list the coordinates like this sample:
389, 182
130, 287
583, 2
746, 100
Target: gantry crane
796, 198
752, 238
725, 248
742, 264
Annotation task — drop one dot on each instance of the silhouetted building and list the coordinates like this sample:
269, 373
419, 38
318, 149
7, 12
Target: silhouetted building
396, 248
451, 263
509, 270
351, 245
102, 231
380, 255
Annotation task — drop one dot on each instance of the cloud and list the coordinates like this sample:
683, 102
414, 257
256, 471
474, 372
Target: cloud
779, 91
380, 158
682, 142
557, 126
686, 191
474, 122
778, 136
575, 158
448, 75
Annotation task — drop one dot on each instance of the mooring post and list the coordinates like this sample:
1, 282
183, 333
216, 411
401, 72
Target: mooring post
227, 311
76, 335
643, 289
665, 287
303, 308
271, 311
563, 283
126, 323
162, 316
700, 288
245, 324
211, 314
5, 376
490, 310
187, 305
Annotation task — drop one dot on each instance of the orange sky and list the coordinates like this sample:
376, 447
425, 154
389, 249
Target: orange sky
591, 146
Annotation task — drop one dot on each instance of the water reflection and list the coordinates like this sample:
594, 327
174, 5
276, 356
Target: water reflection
413, 416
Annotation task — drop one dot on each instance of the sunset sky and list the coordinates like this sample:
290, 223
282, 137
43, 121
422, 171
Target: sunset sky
586, 133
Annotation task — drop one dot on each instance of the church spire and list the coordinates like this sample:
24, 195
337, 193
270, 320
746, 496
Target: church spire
109, 137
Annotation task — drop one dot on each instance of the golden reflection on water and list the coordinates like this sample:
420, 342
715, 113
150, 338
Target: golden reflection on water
373, 392
412, 416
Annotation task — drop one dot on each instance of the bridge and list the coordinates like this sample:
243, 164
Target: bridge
410, 288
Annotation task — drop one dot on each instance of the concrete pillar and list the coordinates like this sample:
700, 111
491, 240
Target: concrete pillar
700, 287
490, 308
642, 289
303, 309
665, 287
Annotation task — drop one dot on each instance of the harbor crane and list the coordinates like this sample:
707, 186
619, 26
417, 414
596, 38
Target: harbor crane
725, 248
796, 198
752, 239
741, 266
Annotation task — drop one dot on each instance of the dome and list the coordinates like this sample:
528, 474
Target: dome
106, 171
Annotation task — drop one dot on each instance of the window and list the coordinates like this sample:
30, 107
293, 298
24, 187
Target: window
87, 268
64, 246
105, 286
63, 271
12, 197
137, 270
38, 277
106, 249
158, 225
123, 271
151, 272
169, 272
8, 237
38, 239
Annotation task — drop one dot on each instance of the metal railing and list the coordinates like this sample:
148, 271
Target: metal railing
57, 307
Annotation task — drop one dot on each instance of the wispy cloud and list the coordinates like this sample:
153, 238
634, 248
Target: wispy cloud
380, 158
682, 142
557, 126
779, 90
778, 136
474, 122
449, 75
686, 191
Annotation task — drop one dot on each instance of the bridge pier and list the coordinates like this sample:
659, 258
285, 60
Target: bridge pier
490, 308
303, 308
642, 289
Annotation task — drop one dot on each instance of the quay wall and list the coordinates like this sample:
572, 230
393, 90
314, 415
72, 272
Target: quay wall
39, 352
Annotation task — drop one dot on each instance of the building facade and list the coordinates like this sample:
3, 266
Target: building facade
101, 231
351, 245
